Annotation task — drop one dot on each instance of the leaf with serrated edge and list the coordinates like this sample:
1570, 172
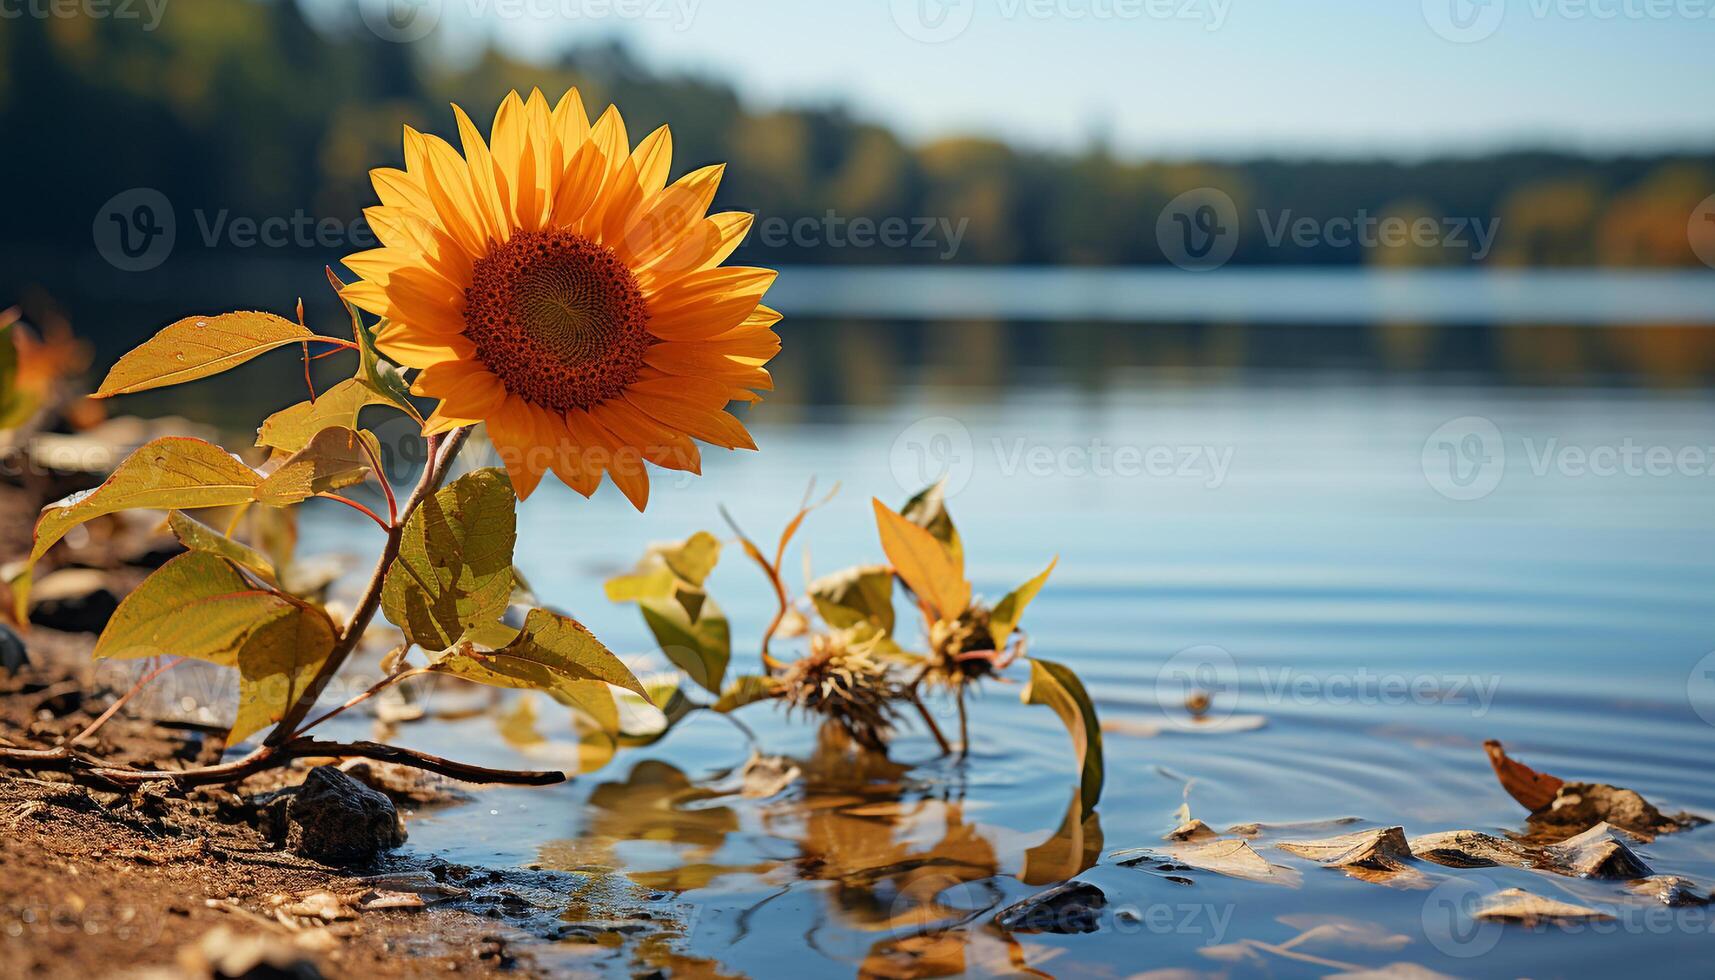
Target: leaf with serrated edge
165, 474
1010, 610
926, 566
196, 605
276, 665
857, 595
746, 690
552, 654
454, 570
197, 536
701, 649
291, 429
197, 347
1057, 687
336, 457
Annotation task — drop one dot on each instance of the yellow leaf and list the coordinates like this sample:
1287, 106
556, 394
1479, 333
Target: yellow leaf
291, 429
335, 457
1057, 687
552, 654
277, 665
197, 347
926, 566
165, 474
196, 605
454, 570
1010, 610
197, 536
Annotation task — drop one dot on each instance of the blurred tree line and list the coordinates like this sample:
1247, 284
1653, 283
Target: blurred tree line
243, 108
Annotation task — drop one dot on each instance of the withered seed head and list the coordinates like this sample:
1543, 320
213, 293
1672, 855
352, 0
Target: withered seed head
847, 684
948, 640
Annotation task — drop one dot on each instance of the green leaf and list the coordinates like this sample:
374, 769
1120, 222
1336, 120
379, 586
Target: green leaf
165, 474
857, 595
653, 583
693, 558
197, 536
701, 649
746, 690
335, 457
928, 510
197, 347
454, 570
552, 654
377, 375
196, 605
291, 429
1007, 613
683, 565
1059, 688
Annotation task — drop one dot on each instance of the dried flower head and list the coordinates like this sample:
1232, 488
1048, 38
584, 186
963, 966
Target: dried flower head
847, 683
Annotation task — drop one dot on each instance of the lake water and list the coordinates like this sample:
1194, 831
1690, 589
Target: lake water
1378, 547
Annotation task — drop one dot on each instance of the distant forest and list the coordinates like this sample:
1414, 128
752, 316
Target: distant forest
243, 109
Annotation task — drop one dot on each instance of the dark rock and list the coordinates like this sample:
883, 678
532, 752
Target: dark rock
333, 819
13, 656
73, 600
1069, 907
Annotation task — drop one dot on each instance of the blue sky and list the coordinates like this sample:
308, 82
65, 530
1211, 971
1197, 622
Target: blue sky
1183, 77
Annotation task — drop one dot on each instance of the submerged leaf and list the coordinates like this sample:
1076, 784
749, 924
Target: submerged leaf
1059, 688
197, 347
454, 571
927, 568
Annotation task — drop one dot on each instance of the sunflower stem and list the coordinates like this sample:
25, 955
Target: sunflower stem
441, 455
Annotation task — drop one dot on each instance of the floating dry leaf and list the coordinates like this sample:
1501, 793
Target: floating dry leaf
1470, 849
1520, 906
1381, 856
1233, 858
1670, 890
1191, 830
1597, 853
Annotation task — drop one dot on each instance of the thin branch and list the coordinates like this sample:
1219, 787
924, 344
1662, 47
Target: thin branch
964, 723
379, 686
113, 709
441, 455
360, 508
929, 720
268, 757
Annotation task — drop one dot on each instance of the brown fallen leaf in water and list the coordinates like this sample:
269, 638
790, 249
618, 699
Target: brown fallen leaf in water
1562, 809
1380, 856
1534, 790
1520, 906
1233, 858
1599, 852
1191, 830
1670, 890
1305, 827
1470, 849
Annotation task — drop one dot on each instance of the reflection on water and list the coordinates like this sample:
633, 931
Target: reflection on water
1366, 624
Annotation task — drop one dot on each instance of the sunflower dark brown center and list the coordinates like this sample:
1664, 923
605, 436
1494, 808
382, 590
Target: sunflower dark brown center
557, 318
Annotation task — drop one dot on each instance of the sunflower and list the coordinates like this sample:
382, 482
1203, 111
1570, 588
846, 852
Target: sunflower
551, 283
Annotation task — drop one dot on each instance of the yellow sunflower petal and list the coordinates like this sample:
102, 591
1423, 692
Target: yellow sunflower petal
707, 304
512, 429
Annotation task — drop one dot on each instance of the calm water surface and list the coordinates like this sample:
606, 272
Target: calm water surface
1373, 568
